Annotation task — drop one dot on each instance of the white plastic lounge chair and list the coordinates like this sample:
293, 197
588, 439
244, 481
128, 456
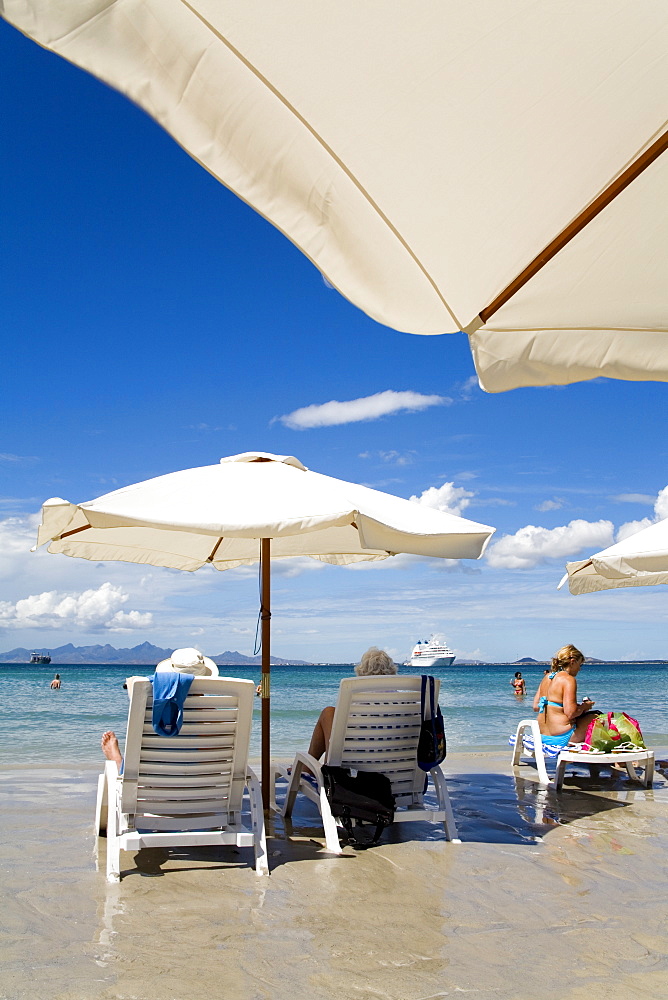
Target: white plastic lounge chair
185, 790
376, 728
537, 746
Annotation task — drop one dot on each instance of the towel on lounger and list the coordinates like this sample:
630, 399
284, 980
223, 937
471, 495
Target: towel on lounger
169, 694
528, 742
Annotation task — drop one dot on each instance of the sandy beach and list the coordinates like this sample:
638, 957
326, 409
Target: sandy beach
547, 896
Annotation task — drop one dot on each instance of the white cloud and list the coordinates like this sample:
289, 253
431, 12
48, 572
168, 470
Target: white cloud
287, 567
660, 512
661, 504
406, 561
633, 498
392, 457
631, 527
467, 388
352, 411
8, 457
17, 536
90, 609
531, 545
397, 458
448, 497
497, 502
555, 504
128, 621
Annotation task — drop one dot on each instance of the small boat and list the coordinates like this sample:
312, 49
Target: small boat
430, 653
40, 658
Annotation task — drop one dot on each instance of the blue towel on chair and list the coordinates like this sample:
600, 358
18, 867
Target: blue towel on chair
169, 694
528, 741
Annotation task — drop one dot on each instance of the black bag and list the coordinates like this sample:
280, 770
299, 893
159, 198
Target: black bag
431, 746
365, 796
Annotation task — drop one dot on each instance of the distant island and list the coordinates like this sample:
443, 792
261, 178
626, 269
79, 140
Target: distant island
148, 655
143, 655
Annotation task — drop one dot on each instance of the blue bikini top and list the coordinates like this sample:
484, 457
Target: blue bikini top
543, 703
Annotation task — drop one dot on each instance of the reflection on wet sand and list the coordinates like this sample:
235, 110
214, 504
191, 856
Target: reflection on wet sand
541, 881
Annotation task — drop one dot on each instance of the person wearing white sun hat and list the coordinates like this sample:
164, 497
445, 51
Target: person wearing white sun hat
183, 661
189, 661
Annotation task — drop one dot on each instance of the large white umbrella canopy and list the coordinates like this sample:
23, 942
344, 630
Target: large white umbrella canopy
641, 560
492, 167
250, 507
214, 515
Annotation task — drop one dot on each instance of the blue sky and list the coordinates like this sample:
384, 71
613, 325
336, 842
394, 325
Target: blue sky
153, 322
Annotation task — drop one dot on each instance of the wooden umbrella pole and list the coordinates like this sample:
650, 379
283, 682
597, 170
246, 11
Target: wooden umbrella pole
265, 618
640, 164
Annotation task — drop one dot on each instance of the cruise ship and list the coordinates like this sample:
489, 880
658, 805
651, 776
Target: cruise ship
430, 653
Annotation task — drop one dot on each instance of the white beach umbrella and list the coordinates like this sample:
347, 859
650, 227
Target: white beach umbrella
481, 166
641, 560
250, 508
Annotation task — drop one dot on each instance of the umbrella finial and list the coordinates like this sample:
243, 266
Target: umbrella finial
265, 456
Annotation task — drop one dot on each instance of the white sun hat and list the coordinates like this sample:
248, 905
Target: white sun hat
189, 661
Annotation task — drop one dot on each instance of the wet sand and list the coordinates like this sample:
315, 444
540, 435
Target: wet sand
548, 896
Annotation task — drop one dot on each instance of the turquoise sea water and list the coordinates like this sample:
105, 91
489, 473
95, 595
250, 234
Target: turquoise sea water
38, 725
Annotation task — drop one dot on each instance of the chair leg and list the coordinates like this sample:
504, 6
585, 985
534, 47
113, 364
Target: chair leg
649, 771
517, 749
648, 775
630, 770
113, 846
538, 752
559, 773
257, 822
277, 771
332, 841
101, 806
301, 761
444, 805
293, 788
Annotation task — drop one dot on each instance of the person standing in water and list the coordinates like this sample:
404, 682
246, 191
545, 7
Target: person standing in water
55, 683
518, 684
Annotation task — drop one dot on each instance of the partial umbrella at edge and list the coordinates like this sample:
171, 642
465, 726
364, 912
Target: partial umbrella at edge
496, 168
248, 508
641, 560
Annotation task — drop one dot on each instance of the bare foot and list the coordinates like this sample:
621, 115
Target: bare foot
110, 747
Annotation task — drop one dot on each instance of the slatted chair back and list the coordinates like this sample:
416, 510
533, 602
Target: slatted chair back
194, 780
376, 727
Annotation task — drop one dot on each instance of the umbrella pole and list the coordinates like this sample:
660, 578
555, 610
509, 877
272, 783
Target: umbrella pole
265, 618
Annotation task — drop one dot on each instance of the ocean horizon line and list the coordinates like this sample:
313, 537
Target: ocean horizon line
331, 663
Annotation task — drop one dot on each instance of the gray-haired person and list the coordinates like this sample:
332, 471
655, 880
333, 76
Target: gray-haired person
374, 662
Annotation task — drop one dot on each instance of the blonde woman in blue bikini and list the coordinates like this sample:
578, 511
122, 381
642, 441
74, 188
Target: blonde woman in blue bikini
560, 715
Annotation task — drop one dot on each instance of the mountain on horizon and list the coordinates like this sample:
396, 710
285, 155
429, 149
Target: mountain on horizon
145, 654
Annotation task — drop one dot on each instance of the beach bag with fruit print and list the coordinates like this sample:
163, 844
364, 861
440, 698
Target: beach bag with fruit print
614, 731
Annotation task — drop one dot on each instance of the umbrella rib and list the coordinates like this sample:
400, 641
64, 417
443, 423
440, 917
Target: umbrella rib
215, 549
640, 164
354, 180
74, 531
